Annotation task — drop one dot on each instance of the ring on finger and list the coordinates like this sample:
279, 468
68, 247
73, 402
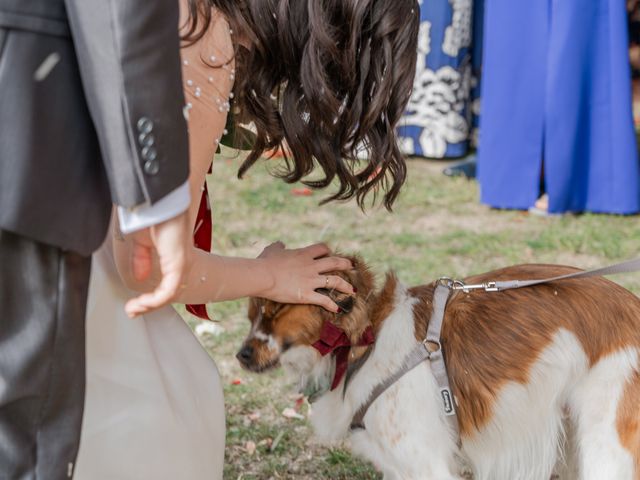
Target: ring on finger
326, 281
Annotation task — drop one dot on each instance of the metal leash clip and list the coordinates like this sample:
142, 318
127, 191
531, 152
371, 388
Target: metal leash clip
459, 285
450, 283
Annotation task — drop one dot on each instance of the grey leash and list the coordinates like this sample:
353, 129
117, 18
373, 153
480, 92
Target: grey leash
623, 267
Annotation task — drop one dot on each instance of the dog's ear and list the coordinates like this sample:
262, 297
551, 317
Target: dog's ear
355, 316
359, 277
345, 302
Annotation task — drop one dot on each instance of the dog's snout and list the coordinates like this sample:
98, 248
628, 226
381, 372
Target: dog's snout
245, 354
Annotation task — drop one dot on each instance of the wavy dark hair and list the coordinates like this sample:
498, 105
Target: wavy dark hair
330, 78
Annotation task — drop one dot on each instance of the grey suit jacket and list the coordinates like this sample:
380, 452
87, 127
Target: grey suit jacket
90, 113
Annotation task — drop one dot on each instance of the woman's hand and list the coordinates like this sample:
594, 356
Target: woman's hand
297, 273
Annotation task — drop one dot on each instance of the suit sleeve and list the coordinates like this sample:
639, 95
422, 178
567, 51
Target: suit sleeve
128, 51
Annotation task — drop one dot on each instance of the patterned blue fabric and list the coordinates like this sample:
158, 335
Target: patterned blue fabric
556, 90
442, 113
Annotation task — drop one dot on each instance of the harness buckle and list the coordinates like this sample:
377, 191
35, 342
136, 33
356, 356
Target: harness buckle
432, 346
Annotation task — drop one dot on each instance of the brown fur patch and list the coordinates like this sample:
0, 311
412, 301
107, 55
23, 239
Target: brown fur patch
297, 324
422, 309
382, 304
628, 421
490, 339
357, 320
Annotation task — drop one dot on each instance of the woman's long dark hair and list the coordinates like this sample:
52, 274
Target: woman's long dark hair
329, 77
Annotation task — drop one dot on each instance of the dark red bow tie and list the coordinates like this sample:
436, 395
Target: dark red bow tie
334, 340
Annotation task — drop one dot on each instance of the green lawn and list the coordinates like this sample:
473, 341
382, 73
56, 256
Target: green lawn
438, 229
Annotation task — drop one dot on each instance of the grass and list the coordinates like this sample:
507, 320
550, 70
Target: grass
438, 229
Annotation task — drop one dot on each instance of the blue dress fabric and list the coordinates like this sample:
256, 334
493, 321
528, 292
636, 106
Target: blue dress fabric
557, 100
441, 118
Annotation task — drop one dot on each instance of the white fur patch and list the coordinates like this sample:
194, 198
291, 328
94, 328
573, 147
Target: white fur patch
313, 371
525, 439
594, 404
272, 343
522, 441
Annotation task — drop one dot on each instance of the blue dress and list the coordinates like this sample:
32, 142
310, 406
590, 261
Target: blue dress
441, 118
557, 102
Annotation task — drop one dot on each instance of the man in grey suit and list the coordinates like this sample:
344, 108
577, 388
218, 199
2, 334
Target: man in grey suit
90, 113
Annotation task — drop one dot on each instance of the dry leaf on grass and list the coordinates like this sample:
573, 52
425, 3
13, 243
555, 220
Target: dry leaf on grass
267, 442
302, 192
291, 413
250, 447
275, 443
254, 417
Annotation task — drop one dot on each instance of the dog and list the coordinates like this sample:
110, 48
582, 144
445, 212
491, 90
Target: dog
546, 379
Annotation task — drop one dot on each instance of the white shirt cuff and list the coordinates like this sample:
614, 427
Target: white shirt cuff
143, 216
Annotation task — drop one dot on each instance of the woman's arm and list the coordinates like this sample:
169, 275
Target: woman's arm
288, 276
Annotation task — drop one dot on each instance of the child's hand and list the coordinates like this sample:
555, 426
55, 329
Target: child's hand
297, 273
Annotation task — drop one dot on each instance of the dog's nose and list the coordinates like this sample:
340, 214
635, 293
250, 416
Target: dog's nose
245, 354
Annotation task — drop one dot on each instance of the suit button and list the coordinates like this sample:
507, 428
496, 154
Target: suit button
151, 167
146, 140
149, 153
145, 125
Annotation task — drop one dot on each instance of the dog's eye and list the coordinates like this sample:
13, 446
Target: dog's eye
286, 344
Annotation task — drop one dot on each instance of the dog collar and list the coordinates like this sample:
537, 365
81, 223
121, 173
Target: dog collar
334, 340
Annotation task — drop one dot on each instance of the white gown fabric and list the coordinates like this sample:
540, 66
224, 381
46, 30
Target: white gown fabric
154, 405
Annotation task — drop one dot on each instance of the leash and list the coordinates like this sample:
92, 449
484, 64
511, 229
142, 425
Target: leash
421, 352
623, 267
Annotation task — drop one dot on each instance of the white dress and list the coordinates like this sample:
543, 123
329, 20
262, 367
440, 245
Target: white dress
154, 405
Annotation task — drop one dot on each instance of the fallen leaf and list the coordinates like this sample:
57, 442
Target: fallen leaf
276, 153
291, 413
302, 192
250, 447
275, 443
254, 417
266, 442
375, 173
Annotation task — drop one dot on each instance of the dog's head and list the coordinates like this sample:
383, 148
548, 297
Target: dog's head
286, 332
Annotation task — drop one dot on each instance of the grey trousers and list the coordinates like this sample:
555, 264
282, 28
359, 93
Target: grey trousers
43, 294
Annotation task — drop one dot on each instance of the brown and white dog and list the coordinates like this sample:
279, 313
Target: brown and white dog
546, 378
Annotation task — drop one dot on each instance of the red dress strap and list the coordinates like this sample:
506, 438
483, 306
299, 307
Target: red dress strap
202, 238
